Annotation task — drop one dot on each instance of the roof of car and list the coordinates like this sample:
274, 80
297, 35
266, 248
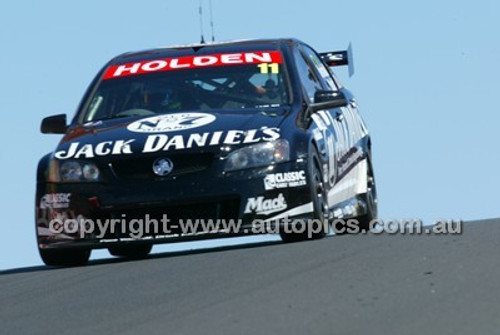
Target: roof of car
202, 49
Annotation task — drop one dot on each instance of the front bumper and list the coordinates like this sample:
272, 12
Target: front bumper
64, 211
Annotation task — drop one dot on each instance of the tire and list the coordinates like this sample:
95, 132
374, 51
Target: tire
371, 200
319, 199
131, 251
65, 257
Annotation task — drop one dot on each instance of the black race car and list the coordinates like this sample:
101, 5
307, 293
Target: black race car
202, 141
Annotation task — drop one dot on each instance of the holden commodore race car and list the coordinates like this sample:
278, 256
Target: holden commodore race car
250, 131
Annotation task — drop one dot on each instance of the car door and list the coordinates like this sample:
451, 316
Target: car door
331, 123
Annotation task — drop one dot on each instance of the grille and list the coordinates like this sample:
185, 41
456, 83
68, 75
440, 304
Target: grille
226, 209
142, 168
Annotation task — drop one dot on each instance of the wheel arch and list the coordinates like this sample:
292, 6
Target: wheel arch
43, 167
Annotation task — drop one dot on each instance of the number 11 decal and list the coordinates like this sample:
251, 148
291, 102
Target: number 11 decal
265, 67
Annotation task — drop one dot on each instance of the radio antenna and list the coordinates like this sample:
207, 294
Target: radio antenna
212, 21
201, 23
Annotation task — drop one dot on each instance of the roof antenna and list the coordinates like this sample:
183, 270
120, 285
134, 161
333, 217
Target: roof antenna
201, 23
212, 21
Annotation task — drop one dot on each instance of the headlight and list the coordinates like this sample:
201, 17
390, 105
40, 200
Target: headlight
73, 172
90, 172
257, 155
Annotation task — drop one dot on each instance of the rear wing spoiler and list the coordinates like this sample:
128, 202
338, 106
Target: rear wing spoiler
339, 58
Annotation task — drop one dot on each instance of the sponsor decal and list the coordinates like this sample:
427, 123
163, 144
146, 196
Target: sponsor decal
285, 180
354, 156
190, 62
171, 122
303, 209
77, 150
55, 201
163, 142
263, 206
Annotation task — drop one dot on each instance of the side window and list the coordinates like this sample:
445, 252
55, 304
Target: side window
308, 77
320, 66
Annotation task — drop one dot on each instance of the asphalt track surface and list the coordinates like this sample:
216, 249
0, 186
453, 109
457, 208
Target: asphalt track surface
361, 284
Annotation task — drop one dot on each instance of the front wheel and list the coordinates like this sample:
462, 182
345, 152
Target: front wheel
65, 257
316, 228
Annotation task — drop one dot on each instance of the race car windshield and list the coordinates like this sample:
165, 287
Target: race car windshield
238, 86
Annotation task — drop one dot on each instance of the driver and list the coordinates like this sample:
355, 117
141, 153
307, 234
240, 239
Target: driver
247, 88
162, 101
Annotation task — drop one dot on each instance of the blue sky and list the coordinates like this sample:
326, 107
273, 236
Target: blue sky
427, 81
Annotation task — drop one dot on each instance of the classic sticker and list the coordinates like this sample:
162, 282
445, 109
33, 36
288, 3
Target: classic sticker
285, 180
55, 201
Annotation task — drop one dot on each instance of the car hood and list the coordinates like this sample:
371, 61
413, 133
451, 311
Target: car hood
192, 131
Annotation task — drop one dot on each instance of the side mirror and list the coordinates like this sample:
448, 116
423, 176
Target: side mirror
328, 100
54, 124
